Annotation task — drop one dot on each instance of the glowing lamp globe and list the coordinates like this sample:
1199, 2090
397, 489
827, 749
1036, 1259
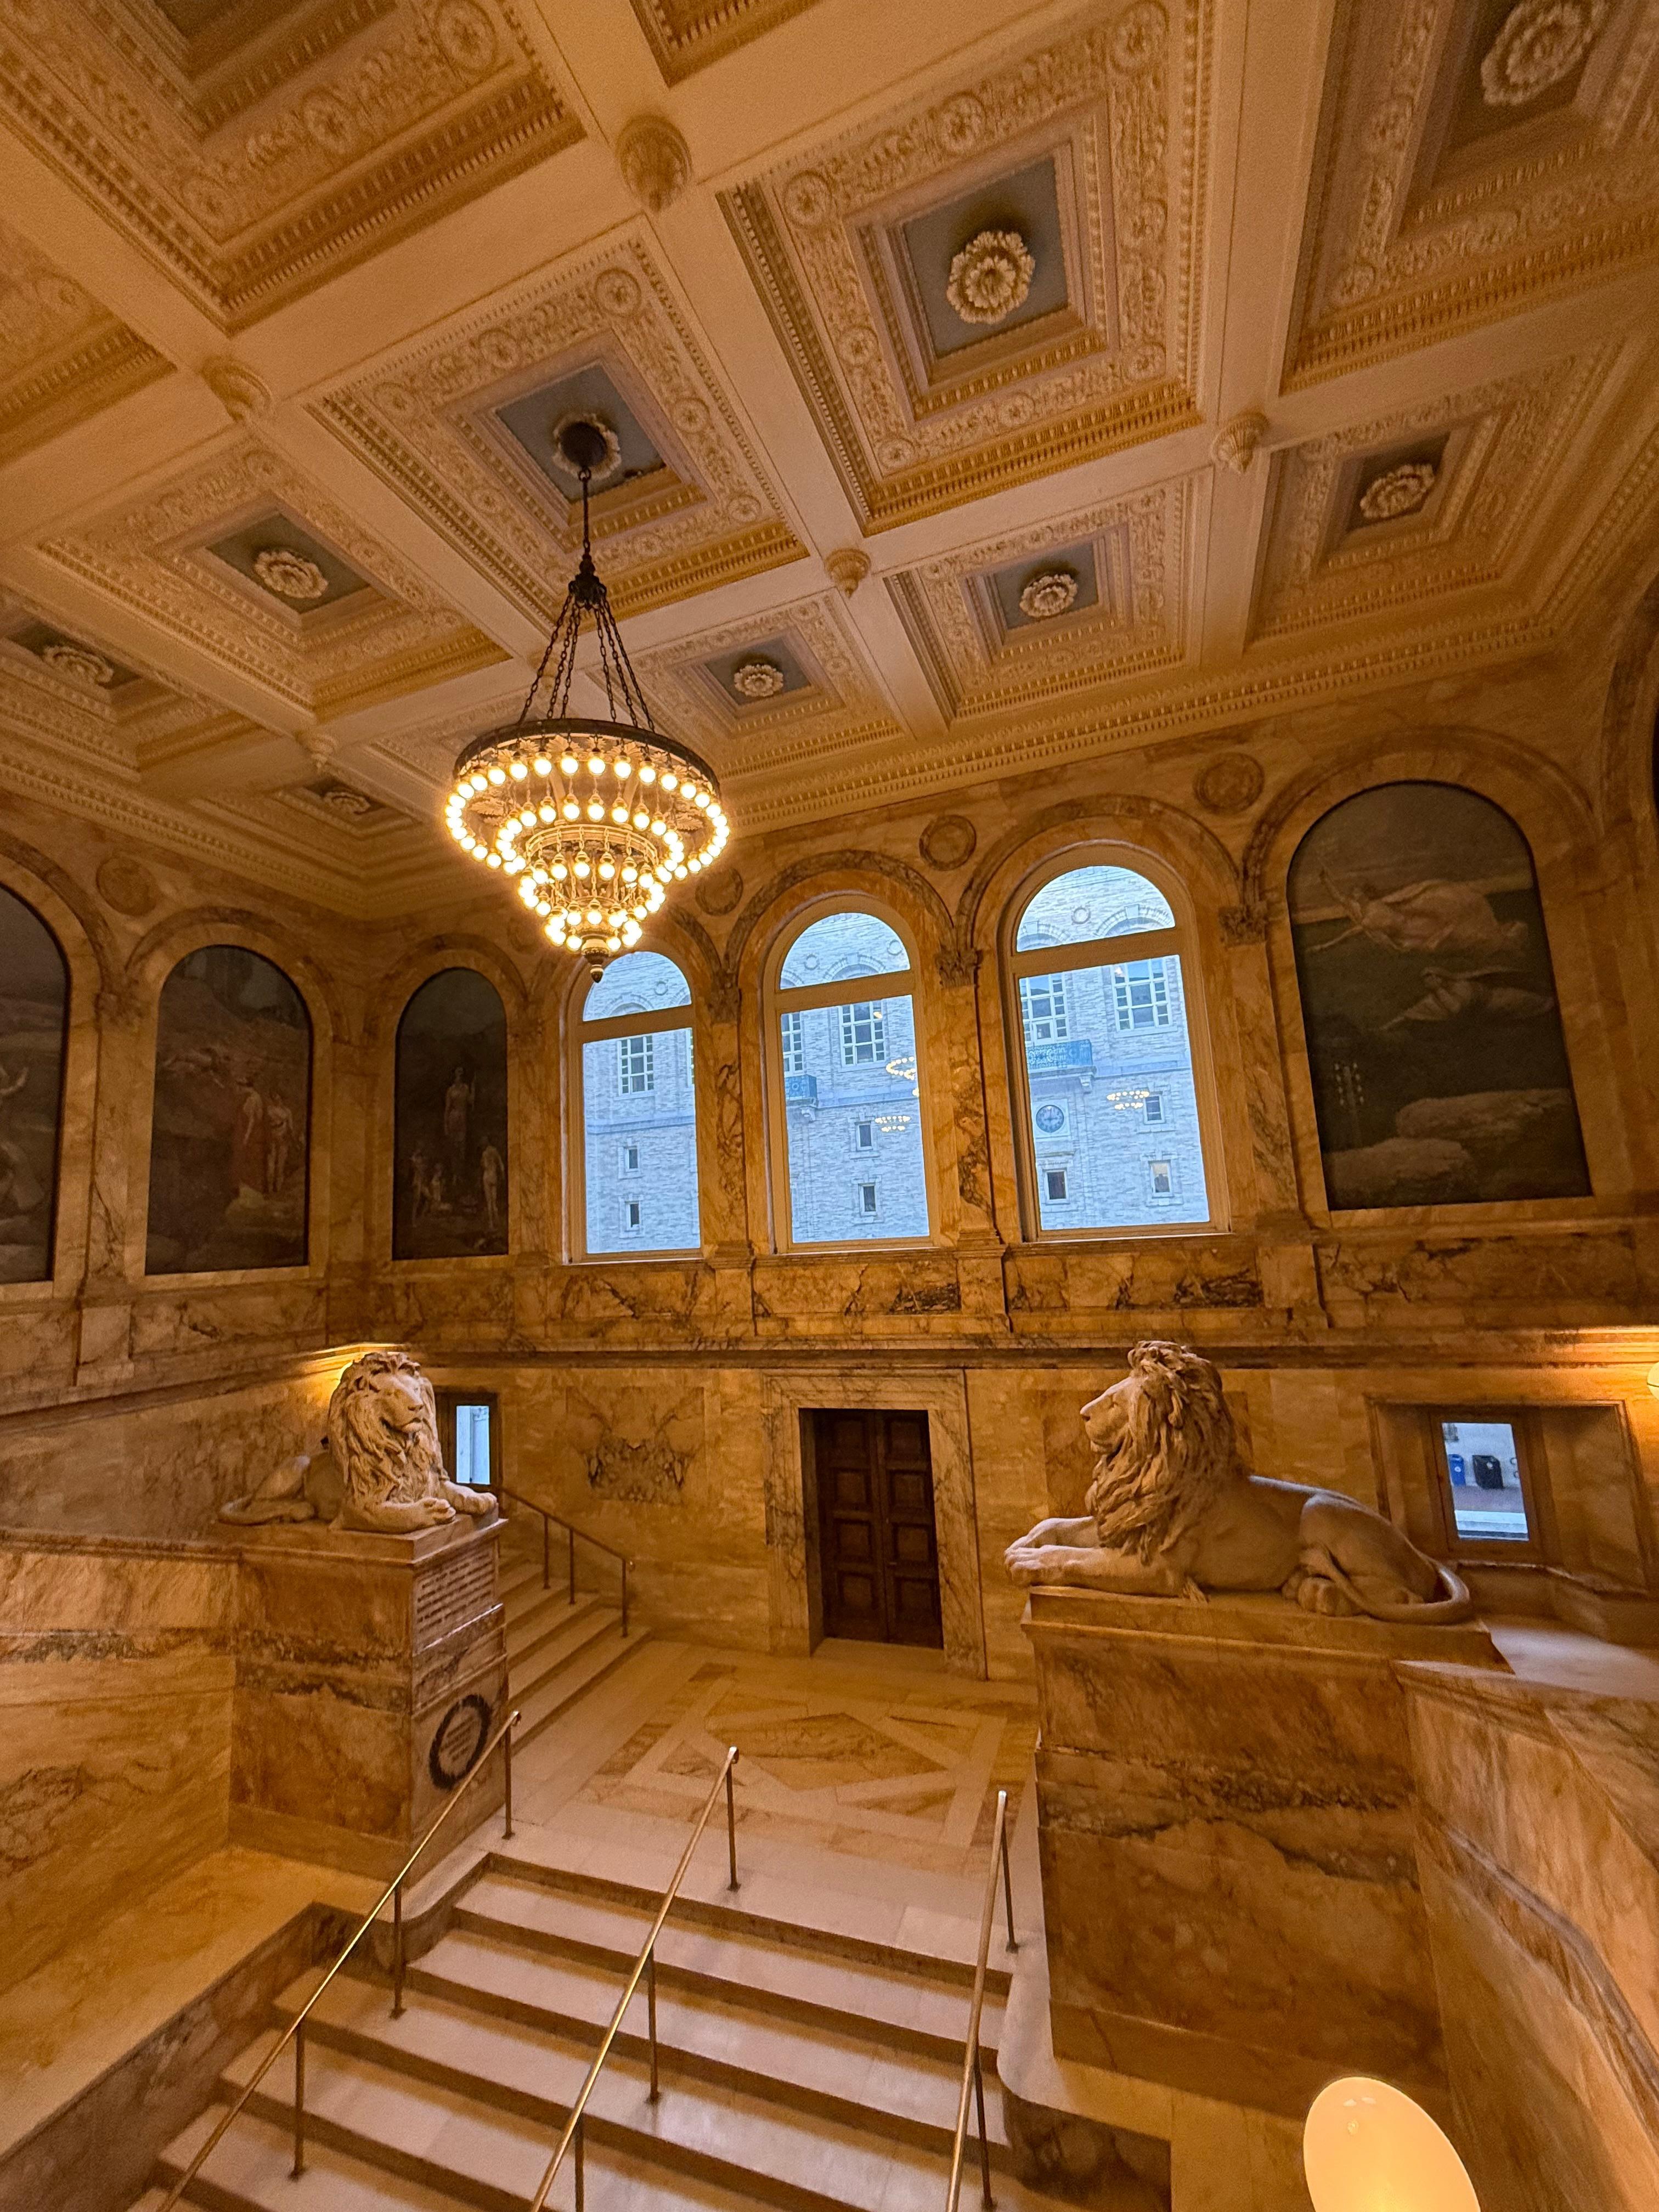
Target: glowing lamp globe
1368, 2147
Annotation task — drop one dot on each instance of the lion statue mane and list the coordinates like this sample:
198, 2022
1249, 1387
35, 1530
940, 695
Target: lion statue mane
381, 1467
1173, 1511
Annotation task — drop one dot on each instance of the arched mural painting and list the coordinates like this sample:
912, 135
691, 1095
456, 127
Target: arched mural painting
449, 1199
230, 1137
1440, 1069
33, 1018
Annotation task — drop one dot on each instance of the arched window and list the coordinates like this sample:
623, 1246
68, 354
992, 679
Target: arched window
638, 1133
34, 1025
1439, 1070
1111, 1115
449, 1195
844, 1068
230, 1132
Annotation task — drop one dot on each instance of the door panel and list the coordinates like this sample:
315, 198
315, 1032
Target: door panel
878, 1546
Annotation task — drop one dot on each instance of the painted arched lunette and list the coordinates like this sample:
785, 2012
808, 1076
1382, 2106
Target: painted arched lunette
452, 1095
33, 1081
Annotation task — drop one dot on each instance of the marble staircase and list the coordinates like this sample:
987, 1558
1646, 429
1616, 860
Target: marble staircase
556, 1650
801, 2069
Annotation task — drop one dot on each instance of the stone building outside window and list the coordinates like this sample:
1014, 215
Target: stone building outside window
638, 1134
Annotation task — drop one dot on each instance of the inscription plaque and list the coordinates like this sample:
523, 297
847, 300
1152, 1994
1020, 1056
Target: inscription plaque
456, 1591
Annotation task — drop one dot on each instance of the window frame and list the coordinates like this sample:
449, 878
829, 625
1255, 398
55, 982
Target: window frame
777, 999
1538, 1548
448, 1401
1182, 940
654, 1023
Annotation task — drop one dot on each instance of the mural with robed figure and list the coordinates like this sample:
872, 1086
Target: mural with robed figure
33, 1015
1440, 1072
230, 1135
450, 1147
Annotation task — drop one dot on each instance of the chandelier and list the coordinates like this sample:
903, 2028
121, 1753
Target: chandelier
593, 820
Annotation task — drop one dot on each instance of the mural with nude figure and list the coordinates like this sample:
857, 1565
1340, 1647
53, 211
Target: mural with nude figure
230, 1132
450, 1145
34, 1009
1439, 1068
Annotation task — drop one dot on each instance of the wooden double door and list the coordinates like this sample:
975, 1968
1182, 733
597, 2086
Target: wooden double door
878, 1545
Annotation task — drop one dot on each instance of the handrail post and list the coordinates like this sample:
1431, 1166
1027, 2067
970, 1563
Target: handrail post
624, 1618
732, 1819
651, 2011
300, 2100
1008, 1891
397, 1951
547, 1552
984, 2140
580, 2176
571, 1579
506, 1755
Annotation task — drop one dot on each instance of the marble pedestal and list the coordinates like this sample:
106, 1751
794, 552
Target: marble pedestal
370, 1671
1225, 1826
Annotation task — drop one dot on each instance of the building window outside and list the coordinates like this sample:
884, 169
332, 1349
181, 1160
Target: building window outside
849, 1082
1143, 996
636, 1067
639, 1110
1042, 1000
863, 1034
1483, 1472
1106, 1054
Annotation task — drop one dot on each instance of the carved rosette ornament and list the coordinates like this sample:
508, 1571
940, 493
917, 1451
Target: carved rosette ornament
1540, 42
655, 162
848, 568
238, 389
991, 276
1229, 784
1049, 595
80, 662
1397, 491
127, 885
606, 467
1235, 443
757, 680
291, 575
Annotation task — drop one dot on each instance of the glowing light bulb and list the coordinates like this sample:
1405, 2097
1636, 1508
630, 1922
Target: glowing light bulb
547, 814
568, 765
519, 771
699, 799
542, 765
492, 860
559, 871
1366, 2143
583, 869
622, 767
607, 870
595, 766
671, 782
595, 811
570, 809
647, 774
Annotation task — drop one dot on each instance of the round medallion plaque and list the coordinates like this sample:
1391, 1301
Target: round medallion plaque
459, 1738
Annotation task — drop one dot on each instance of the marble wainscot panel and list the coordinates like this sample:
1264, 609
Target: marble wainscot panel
1226, 1811
370, 1671
115, 1675
1539, 1843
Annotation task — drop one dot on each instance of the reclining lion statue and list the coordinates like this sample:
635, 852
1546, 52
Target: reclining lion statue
1173, 1511
382, 1468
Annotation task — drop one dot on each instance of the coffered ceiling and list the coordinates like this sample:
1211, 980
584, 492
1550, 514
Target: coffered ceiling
983, 382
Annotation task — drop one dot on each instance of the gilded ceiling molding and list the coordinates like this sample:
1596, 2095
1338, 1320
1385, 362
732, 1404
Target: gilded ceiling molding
840, 694
254, 180
426, 419
63, 355
686, 35
655, 162
1420, 223
1413, 506
976, 664
155, 555
1119, 107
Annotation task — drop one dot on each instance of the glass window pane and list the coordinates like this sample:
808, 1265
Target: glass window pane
1092, 903
841, 945
472, 1444
638, 983
1098, 1165
839, 1193
642, 1143
1484, 1471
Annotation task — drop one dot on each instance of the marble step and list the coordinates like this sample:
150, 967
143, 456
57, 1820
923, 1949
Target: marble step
440, 2062
532, 1628
864, 1989
521, 1582
250, 2171
844, 2074
553, 1688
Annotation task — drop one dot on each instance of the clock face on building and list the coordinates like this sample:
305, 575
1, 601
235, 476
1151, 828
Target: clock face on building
1049, 1119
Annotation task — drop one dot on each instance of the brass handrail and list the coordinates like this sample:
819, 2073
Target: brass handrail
573, 1532
972, 2069
295, 2031
573, 2126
